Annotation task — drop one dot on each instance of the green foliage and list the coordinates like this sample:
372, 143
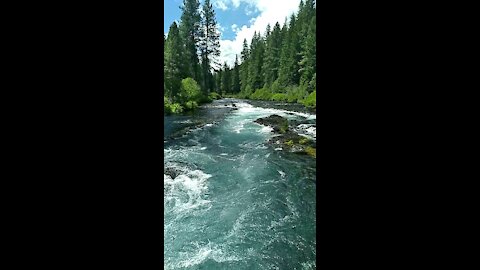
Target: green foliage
276, 87
304, 141
262, 94
296, 93
310, 100
191, 105
188, 98
189, 27
166, 105
226, 79
176, 108
311, 151
171, 108
246, 93
190, 90
279, 97
173, 67
289, 143
209, 44
214, 96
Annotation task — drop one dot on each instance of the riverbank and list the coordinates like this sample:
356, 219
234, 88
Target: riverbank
307, 105
293, 125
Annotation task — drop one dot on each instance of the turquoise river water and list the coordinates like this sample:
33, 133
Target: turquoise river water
236, 202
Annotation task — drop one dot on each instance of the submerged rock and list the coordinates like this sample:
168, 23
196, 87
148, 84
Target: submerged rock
172, 172
187, 128
174, 169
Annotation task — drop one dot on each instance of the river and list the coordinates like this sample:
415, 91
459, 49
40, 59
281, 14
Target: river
235, 202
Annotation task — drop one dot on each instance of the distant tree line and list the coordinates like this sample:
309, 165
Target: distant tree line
278, 65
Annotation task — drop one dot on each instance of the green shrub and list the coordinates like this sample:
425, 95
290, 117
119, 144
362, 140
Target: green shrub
166, 105
245, 93
190, 90
262, 94
191, 105
176, 108
296, 93
214, 95
279, 97
276, 88
310, 100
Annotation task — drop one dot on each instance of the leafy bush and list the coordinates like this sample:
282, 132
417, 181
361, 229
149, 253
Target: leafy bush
190, 90
279, 97
310, 100
276, 88
245, 93
262, 94
296, 93
176, 108
166, 105
191, 105
214, 95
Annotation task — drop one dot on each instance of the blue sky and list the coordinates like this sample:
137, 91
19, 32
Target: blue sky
226, 18
238, 19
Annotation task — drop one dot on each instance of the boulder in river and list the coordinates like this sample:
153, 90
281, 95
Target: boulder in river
174, 169
278, 123
287, 138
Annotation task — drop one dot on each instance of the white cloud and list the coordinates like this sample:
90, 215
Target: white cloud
236, 3
221, 28
249, 11
271, 11
220, 4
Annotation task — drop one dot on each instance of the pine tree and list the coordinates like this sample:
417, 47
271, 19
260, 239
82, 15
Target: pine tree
283, 71
255, 75
244, 67
272, 51
218, 81
209, 45
236, 76
226, 80
308, 62
173, 58
294, 53
190, 33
